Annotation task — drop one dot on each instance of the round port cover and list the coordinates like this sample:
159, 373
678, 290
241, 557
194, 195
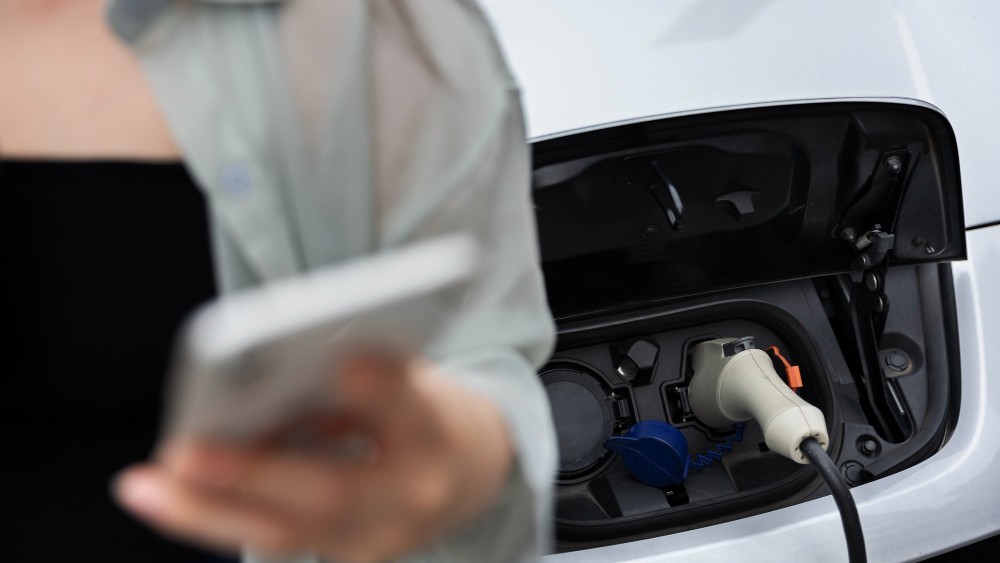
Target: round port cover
583, 418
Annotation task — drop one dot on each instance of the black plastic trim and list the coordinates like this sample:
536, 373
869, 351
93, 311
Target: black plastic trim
950, 314
605, 243
983, 226
583, 534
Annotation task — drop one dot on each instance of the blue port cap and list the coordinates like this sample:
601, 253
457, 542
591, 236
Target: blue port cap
654, 452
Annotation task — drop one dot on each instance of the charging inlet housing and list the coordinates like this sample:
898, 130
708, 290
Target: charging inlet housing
824, 229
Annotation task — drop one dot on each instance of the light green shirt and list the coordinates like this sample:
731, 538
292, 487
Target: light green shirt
321, 130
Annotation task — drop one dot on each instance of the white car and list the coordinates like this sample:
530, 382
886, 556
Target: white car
789, 171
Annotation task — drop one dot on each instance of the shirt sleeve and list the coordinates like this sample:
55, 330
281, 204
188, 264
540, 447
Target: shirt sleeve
452, 157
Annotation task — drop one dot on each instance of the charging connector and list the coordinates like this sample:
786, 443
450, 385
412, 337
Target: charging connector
733, 384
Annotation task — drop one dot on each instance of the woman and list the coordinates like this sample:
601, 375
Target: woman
315, 131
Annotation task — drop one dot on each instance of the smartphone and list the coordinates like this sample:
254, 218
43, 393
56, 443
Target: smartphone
250, 362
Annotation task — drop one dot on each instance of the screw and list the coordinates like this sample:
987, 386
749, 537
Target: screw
868, 447
879, 304
918, 241
649, 231
871, 281
894, 163
848, 235
852, 472
897, 361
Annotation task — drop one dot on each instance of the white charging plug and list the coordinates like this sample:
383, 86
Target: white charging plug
734, 383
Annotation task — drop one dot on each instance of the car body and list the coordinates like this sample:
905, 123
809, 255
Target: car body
589, 65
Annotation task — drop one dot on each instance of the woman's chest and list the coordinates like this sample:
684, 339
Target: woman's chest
71, 89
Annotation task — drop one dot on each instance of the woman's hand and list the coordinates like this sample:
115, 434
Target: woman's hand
432, 456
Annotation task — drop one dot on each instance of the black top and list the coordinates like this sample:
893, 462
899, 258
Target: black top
102, 260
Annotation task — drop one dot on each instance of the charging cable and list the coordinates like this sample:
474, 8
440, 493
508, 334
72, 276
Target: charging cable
841, 495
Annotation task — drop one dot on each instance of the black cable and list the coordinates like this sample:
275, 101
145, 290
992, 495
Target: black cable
842, 495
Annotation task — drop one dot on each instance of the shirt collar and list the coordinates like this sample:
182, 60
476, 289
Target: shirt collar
131, 18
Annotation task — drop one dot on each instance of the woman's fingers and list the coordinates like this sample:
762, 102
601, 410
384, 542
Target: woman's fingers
182, 510
372, 385
274, 502
325, 483
408, 457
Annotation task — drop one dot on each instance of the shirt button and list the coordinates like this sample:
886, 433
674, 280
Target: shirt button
236, 179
